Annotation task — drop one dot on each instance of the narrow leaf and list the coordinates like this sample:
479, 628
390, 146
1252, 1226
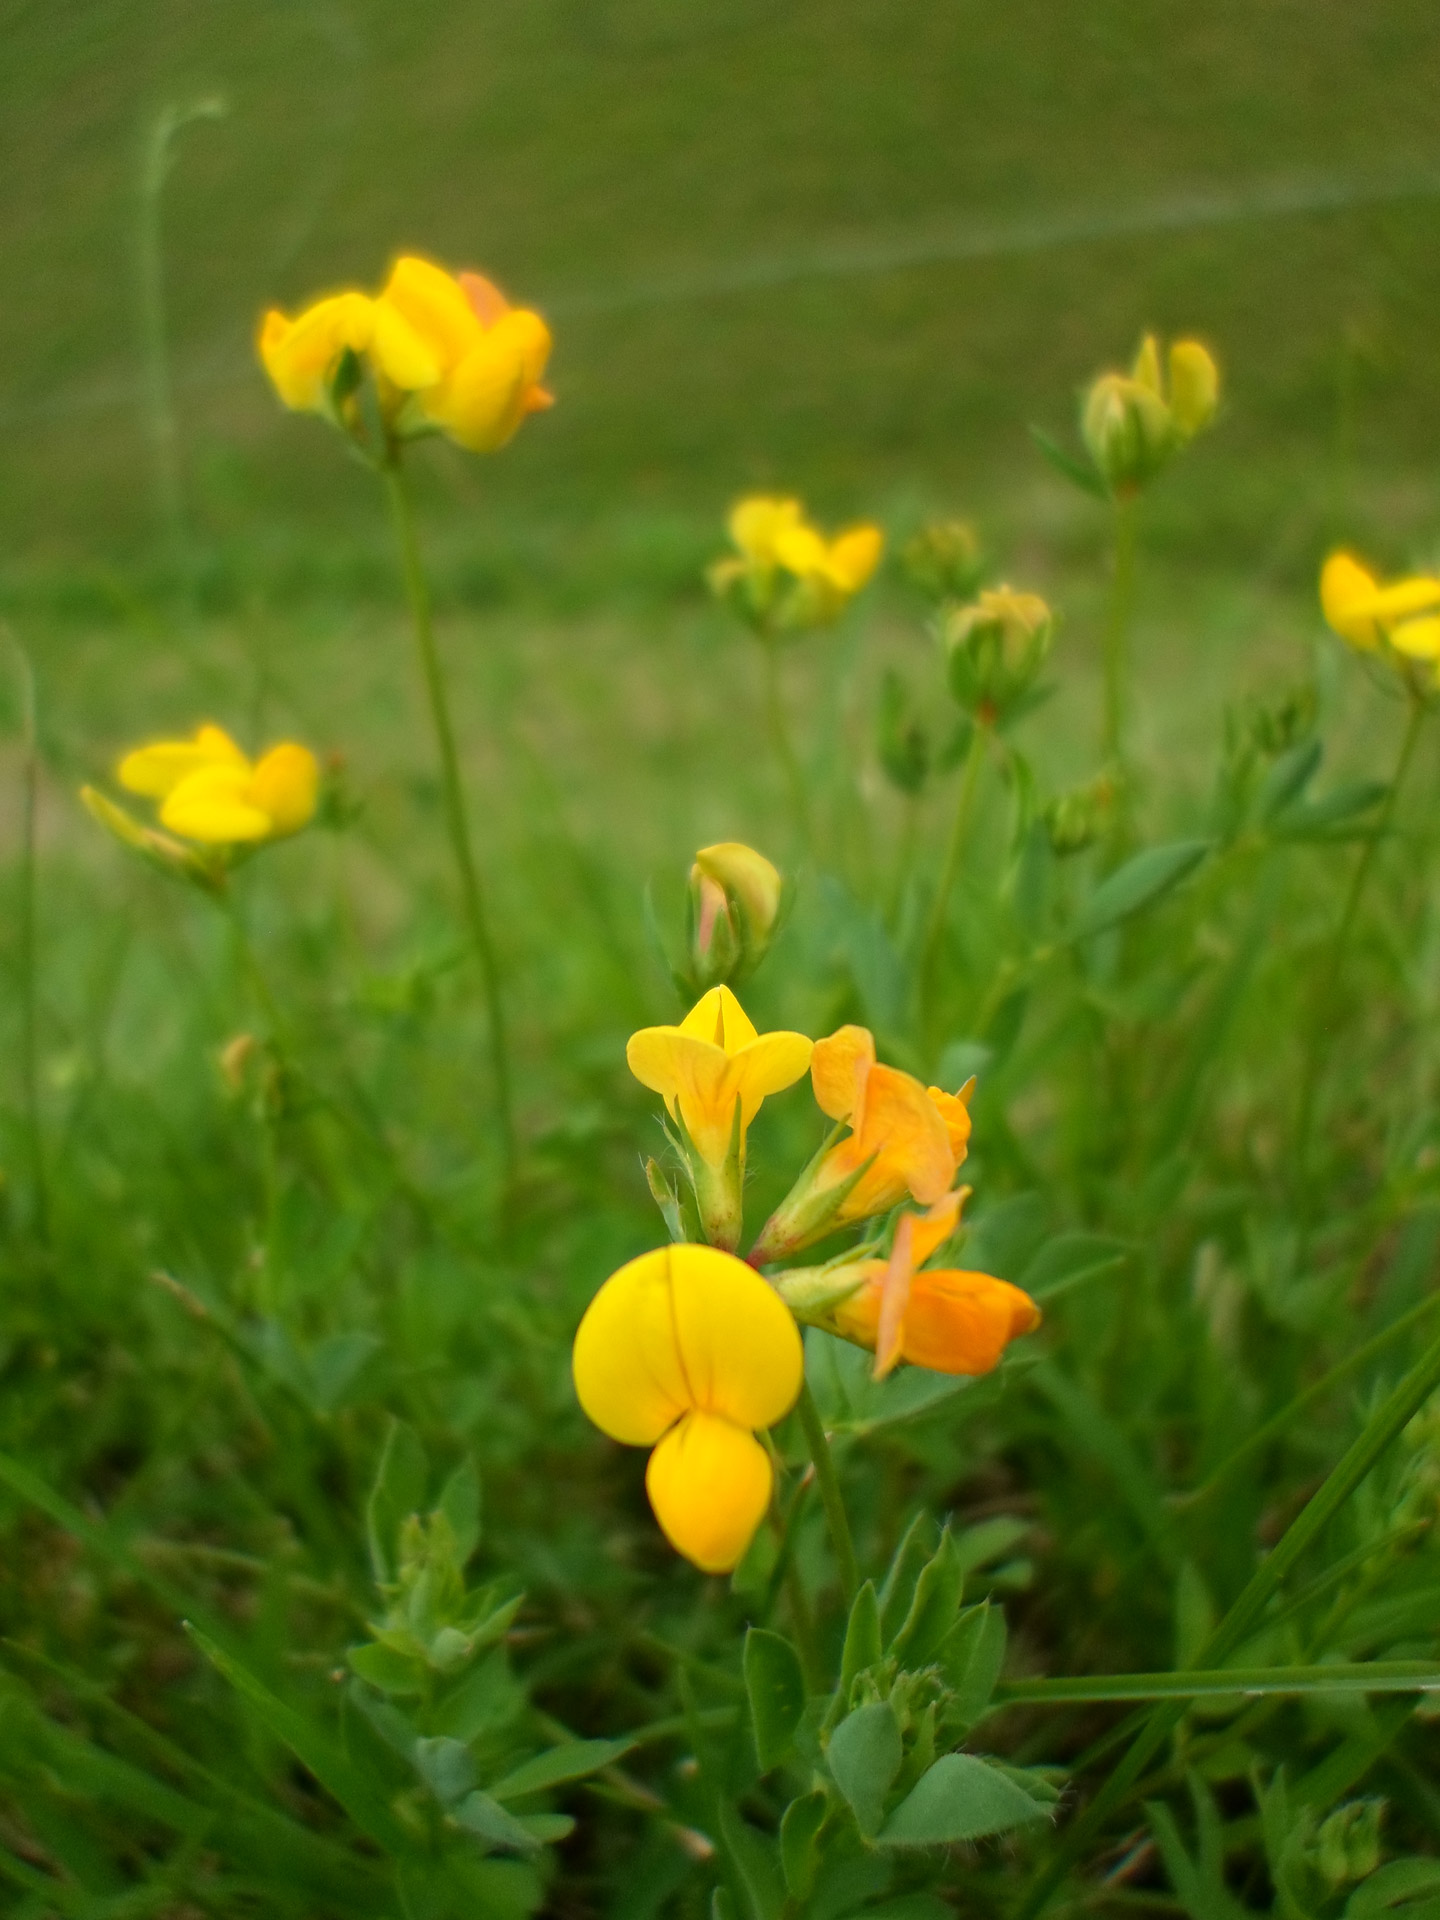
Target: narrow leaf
799, 1841
863, 1643
399, 1491
1071, 469
573, 1761
1140, 882
776, 1686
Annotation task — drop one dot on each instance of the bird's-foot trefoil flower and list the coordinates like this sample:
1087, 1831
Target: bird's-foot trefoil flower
1399, 619
212, 796
904, 1138
687, 1350
1133, 425
446, 353
941, 1318
713, 1071
785, 575
995, 649
735, 896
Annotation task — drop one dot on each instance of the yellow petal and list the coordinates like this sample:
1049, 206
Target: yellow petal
483, 400
1194, 386
685, 1328
839, 1067
769, 1065
300, 355
800, 550
1146, 369
158, 769
1418, 639
434, 306
400, 354
1347, 595
213, 805
709, 1483
900, 1132
487, 302
284, 786
954, 1110
717, 1016
1402, 598
854, 556
746, 874
756, 523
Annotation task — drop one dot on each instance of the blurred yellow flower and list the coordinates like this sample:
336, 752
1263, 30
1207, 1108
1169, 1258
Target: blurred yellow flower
448, 353
904, 1139
786, 573
1404, 615
713, 1065
1130, 424
689, 1351
210, 792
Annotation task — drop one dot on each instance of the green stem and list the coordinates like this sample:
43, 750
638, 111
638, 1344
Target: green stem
1383, 1426
455, 815
784, 746
1117, 634
26, 933
830, 1495
959, 834
1339, 947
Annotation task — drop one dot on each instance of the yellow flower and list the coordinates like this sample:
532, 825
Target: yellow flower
688, 1350
904, 1138
787, 573
945, 1319
712, 1064
448, 352
995, 649
713, 1071
209, 791
1133, 428
1404, 615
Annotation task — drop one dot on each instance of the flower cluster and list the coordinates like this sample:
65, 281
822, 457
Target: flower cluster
446, 353
1135, 423
1399, 619
785, 575
691, 1350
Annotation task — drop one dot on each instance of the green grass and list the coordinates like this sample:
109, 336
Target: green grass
235, 1285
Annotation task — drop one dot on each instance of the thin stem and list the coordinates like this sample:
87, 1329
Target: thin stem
782, 743
27, 938
1383, 1426
455, 815
1339, 946
1117, 634
830, 1495
959, 834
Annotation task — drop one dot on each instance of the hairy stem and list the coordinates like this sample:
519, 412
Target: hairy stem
456, 819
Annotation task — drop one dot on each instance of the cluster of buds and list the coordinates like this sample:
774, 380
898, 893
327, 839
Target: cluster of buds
1397, 621
1135, 423
690, 1350
735, 901
785, 576
944, 560
444, 353
995, 648
1075, 820
215, 805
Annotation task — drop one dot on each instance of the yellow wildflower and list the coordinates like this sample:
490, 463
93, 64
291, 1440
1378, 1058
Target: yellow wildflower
688, 1351
904, 1138
1130, 424
786, 573
210, 792
713, 1071
448, 353
1403, 615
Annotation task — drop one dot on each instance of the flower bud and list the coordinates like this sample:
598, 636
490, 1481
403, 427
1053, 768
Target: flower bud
996, 648
735, 897
944, 560
903, 743
1128, 429
1076, 820
200, 867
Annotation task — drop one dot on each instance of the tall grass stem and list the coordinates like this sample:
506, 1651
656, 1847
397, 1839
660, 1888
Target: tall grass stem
1117, 635
782, 743
831, 1497
456, 818
959, 836
27, 939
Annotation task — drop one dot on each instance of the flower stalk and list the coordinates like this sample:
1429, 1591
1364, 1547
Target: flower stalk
831, 1498
456, 819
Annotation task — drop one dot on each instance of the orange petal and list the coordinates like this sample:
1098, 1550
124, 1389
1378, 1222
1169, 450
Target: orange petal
839, 1067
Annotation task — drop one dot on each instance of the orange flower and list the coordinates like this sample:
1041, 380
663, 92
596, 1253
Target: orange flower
904, 1139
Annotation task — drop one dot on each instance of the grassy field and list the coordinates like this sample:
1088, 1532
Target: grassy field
852, 250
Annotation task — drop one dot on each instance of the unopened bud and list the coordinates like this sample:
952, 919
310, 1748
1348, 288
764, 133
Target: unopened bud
735, 896
1128, 429
996, 648
944, 560
1076, 820
1347, 1846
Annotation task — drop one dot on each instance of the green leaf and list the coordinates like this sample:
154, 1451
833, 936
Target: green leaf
1143, 879
1287, 779
863, 1643
446, 1767
913, 1552
490, 1822
864, 1757
335, 1365
460, 1504
960, 1798
991, 1540
800, 1840
312, 1747
1319, 819
386, 1669
972, 1658
934, 1609
1069, 1260
1391, 1885
776, 1686
1075, 471
1365, 1676
754, 1857
573, 1761
399, 1491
